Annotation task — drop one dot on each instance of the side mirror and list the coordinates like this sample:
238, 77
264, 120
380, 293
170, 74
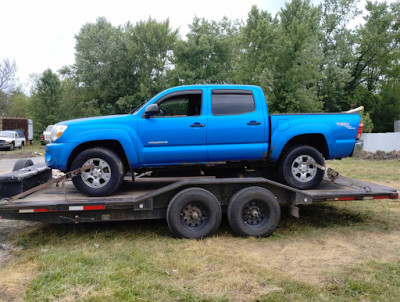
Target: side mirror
151, 110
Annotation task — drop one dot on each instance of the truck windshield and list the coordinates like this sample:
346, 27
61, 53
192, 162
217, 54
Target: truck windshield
6, 134
137, 108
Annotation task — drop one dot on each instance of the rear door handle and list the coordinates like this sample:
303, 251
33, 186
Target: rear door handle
253, 123
197, 125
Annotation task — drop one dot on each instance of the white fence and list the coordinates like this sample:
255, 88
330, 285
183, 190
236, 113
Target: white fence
381, 141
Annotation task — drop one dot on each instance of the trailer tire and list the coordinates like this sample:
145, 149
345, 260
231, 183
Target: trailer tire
254, 211
102, 180
22, 163
194, 213
294, 170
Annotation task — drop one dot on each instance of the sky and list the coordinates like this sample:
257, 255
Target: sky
40, 34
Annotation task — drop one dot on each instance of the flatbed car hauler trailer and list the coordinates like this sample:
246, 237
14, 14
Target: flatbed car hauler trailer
192, 206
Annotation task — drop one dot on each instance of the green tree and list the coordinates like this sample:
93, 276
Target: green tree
18, 105
99, 56
207, 54
74, 101
46, 104
377, 47
121, 66
387, 108
298, 57
375, 69
148, 47
337, 42
256, 58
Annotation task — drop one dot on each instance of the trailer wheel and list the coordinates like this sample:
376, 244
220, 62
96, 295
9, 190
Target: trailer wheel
22, 163
295, 170
254, 211
194, 213
106, 176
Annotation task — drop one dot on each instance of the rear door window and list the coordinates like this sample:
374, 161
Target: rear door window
232, 102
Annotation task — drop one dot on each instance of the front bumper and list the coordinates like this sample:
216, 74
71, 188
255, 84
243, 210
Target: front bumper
358, 147
57, 155
5, 146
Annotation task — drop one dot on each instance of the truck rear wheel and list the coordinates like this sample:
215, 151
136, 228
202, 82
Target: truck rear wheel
104, 178
254, 211
297, 171
194, 213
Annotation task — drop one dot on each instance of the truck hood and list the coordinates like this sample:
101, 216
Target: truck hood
5, 138
95, 120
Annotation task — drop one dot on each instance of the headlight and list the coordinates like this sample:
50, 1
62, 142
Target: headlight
57, 131
9, 142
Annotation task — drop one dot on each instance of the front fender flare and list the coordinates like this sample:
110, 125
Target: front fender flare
121, 136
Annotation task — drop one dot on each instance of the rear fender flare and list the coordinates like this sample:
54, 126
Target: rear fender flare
279, 139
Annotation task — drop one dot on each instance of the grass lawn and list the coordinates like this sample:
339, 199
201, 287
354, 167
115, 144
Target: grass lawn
336, 251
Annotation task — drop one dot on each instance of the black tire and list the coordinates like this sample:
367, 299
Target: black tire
21, 146
22, 163
194, 213
254, 211
11, 147
294, 170
102, 180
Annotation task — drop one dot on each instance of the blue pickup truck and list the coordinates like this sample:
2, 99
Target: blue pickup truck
202, 126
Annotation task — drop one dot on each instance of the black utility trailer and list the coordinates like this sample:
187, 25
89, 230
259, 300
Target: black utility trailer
192, 206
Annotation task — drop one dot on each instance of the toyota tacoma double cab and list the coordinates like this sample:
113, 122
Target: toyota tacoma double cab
201, 126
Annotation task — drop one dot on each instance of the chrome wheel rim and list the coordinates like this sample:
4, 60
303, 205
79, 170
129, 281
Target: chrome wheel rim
302, 170
98, 176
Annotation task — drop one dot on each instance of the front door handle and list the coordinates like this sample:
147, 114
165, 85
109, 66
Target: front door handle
197, 125
253, 123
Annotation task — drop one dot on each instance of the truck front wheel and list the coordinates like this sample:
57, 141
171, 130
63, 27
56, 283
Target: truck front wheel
296, 167
104, 178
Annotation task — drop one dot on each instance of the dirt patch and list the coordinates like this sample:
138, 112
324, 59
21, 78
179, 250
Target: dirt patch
14, 280
315, 261
19, 154
379, 155
8, 230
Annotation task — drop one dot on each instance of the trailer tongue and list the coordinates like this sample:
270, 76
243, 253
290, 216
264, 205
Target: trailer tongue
192, 206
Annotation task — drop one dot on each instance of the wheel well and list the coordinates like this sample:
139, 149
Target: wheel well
316, 141
109, 144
